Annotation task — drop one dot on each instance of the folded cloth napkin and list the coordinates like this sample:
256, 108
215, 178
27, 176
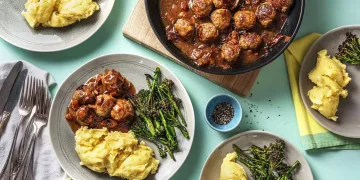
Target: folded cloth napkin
313, 135
46, 165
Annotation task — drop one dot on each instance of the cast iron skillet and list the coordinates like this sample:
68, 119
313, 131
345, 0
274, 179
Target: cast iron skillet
291, 27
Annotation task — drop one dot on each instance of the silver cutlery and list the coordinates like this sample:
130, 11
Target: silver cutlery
8, 84
43, 102
26, 105
12, 100
20, 154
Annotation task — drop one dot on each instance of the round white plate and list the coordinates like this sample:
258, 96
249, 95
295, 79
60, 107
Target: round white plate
211, 169
133, 68
348, 123
15, 29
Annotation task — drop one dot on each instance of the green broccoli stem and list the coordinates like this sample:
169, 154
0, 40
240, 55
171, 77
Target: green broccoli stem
171, 98
289, 172
149, 124
147, 120
154, 84
168, 133
183, 129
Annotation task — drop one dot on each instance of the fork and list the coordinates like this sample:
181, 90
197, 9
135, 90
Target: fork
19, 156
43, 102
26, 104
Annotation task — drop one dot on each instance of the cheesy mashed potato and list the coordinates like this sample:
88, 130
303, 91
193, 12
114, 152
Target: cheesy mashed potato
58, 13
230, 170
115, 153
331, 78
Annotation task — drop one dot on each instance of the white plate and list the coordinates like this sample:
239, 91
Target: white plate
15, 29
133, 68
211, 169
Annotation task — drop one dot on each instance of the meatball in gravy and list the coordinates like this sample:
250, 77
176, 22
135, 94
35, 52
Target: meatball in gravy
207, 33
202, 8
265, 14
244, 20
221, 18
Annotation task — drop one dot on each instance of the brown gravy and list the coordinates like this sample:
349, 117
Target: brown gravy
170, 10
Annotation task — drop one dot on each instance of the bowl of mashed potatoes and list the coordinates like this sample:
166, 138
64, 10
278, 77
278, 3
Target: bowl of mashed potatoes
51, 25
330, 89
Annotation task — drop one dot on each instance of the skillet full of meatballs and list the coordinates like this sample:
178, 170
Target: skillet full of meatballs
101, 102
225, 33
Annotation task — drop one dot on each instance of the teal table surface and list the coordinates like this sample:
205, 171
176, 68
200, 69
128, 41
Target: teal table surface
270, 95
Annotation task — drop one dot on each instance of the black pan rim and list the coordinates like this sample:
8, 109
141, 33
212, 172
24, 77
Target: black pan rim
188, 63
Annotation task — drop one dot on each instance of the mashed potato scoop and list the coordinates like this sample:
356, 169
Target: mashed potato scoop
58, 13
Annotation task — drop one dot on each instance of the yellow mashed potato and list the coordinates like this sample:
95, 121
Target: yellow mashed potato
115, 153
331, 78
58, 13
230, 170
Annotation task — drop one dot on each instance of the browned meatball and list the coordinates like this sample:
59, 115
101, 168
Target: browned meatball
282, 5
250, 41
207, 32
115, 84
222, 4
265, 14
230, 52
202, 8
82, 96
221, 18
184, 28
244, 20
122, 111
85, 116
103, 105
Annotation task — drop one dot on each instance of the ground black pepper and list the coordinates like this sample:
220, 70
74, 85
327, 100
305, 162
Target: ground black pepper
223, 113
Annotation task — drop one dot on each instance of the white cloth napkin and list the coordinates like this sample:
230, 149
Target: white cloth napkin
46, 165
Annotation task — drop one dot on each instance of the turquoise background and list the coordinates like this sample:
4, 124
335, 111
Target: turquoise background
271, 101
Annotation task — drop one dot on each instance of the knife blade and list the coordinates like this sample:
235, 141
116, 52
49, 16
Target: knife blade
12, 100
8, 84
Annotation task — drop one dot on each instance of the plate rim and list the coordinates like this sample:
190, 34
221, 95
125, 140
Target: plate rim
192, 113
251, 132
302, 70
55, 49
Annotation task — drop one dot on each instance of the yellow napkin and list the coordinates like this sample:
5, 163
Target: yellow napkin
313, 135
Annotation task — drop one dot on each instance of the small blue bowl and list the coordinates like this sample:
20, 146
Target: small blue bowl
210, 106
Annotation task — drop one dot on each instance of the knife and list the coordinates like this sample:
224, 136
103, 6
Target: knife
8, 84
12, 100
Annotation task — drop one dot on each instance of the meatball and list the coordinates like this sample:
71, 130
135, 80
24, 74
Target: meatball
202, 8
82, 96
207, 32
222, 4
221, 18
115, 84
230, 52
85, 116
103, 105
282, 5
184, 28
244, 20
265, 14
122, 111
250, 41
